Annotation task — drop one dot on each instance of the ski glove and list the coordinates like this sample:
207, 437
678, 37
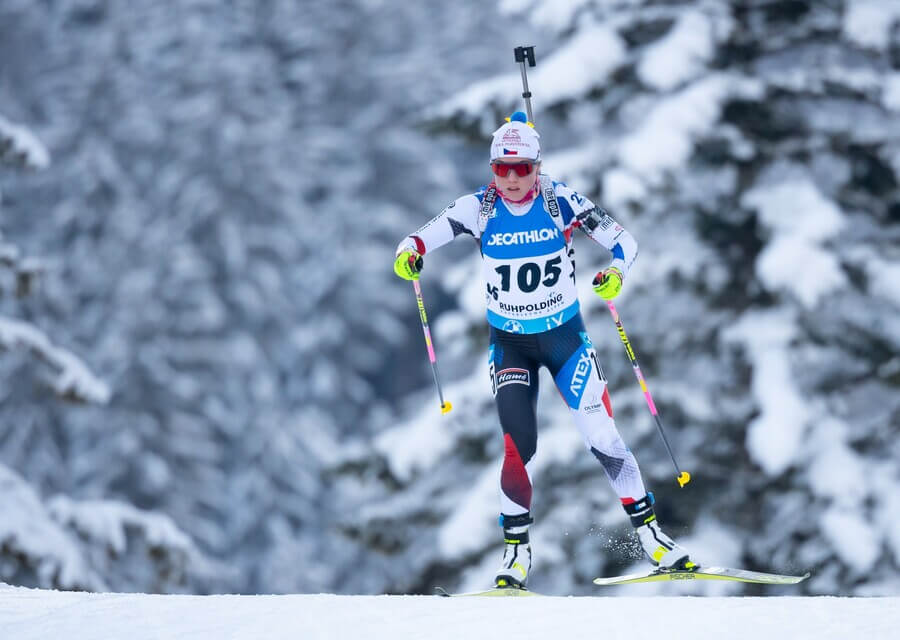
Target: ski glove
608, 283
408, 265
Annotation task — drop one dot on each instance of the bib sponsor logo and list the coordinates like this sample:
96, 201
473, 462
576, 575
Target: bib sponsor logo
555, 321
546, 305
522, 237
513, 376
513, 326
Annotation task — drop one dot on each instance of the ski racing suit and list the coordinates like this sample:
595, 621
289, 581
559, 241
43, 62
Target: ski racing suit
534, 317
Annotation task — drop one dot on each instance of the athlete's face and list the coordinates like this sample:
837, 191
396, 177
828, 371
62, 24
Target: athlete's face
512, 184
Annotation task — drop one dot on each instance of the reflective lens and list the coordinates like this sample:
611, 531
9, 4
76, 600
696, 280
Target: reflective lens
522, 169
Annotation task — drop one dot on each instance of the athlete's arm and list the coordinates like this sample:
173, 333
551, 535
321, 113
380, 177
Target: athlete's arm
598, 225
460, 217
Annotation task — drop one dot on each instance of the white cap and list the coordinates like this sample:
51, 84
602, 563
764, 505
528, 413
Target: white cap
516, 139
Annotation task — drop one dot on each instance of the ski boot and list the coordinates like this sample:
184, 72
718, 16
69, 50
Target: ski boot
513, 572
661, 550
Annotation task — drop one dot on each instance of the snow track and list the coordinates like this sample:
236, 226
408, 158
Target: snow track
27, 614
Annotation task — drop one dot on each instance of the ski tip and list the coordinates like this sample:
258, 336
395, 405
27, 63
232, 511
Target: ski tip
446, 408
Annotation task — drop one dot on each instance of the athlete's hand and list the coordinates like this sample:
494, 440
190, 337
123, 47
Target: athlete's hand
408, 265
608, 283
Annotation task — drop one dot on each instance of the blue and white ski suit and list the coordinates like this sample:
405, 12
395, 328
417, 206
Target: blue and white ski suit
534, 317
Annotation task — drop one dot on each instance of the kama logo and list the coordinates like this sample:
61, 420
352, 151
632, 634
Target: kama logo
513, 376
513, 326
523, 237
511, 136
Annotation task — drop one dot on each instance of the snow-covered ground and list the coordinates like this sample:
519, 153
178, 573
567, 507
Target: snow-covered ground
38, 614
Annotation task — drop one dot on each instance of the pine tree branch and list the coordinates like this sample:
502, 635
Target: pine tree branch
74, 379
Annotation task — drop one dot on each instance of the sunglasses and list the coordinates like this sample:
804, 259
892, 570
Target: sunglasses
522, 169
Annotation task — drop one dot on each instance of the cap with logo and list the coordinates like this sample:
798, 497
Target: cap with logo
516, 139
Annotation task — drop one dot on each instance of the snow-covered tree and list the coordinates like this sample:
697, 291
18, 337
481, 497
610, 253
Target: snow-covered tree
228, 184
752, 148
230, 181
19, 148
95, 545
67, 544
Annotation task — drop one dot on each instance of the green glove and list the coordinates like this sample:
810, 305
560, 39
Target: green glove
408, 265
608, 283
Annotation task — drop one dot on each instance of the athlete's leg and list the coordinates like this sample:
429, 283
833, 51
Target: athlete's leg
577, 373
514, 380
581, 382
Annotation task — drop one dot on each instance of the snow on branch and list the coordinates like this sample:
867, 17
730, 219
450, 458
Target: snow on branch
94, 545
19, 147
107, 522
25, 271
34, 549
74, 380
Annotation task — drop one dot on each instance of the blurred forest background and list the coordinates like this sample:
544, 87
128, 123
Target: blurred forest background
211, 380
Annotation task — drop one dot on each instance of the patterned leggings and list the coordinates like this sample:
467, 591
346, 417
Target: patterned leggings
568, 354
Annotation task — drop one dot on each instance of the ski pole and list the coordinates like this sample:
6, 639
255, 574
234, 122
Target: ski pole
445, 406
683, 476
523, 55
